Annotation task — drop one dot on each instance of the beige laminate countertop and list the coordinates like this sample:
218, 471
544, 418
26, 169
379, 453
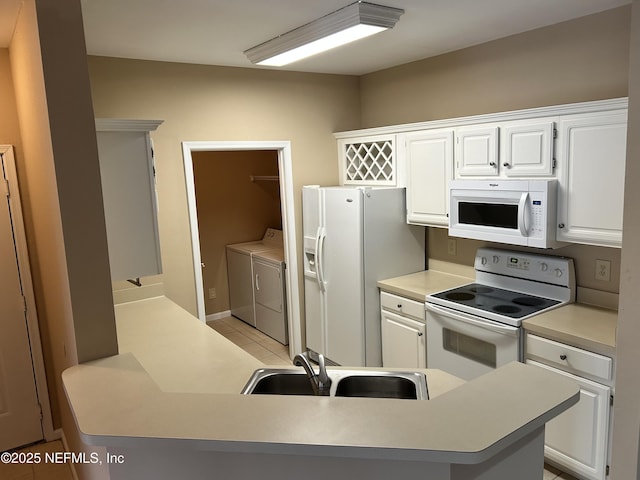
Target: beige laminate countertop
176, 383
417, 286
583, 326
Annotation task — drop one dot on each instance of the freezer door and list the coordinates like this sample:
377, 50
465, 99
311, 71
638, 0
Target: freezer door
313, 295
341, 264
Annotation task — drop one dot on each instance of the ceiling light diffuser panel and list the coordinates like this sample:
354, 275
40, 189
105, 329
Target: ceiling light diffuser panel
351, 23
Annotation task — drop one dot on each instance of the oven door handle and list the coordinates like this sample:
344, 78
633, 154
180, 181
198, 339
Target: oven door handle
522, 209
475, 321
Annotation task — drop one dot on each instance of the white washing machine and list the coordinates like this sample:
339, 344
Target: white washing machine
240, 273
270, 294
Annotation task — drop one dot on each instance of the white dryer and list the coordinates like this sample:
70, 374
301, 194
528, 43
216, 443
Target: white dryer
270, 294
240, 273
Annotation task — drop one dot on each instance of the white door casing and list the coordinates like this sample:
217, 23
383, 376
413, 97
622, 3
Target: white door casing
25, 414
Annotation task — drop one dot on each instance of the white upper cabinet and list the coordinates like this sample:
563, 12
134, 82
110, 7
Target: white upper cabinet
428, 157
511, 149
583, 145
477, 151
591, 169
527, 149
129, 196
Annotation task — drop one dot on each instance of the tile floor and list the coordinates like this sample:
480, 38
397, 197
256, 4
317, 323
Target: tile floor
252, 340
41, 471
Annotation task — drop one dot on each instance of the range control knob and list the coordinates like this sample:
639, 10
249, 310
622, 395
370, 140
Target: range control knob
496, 259
558, 272
484, 260
544, 267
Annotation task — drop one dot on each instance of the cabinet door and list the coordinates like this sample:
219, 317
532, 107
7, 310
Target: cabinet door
403, 342
129, 196
477, 151
527, 149
577, 439
429, 161
591, 178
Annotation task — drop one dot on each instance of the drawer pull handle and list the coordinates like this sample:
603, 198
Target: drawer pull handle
563, 357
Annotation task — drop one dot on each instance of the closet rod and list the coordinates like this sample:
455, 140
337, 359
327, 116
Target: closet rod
263, 178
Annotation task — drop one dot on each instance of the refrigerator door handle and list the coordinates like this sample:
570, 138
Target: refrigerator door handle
320, 237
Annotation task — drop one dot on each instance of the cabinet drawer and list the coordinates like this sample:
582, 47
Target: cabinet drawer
402, 305
569, 358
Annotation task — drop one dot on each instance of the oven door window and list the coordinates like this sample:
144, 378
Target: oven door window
469, 347
502, 215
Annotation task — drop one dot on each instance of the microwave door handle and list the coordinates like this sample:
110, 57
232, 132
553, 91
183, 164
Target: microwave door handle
487, 325
522, 214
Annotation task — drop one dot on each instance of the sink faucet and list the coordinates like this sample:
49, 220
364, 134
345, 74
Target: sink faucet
320, 382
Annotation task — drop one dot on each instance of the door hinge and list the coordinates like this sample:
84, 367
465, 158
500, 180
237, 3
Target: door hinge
554, 163
24, 303
611, 400
606, 470
555, 133
6, 187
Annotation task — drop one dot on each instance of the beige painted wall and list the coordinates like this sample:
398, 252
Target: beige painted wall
9, 129
232, 209
205, 103
583, 59
626, 422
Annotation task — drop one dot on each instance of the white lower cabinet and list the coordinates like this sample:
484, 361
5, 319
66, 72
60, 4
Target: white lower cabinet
577, 441
403, 332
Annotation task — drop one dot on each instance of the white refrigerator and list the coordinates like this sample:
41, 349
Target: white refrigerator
353, 237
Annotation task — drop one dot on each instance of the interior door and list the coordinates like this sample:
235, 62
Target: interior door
19, 408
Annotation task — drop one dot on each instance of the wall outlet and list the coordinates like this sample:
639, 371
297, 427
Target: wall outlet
603, 270
452, 246
212, 293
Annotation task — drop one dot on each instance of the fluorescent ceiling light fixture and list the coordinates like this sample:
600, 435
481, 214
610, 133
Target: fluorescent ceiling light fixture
351, 23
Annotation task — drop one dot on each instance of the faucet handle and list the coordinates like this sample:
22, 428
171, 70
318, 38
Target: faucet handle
323, 377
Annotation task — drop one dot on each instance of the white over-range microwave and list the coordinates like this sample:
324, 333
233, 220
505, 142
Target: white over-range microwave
517, 212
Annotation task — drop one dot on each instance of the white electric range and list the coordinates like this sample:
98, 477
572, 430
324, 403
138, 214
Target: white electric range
476, 328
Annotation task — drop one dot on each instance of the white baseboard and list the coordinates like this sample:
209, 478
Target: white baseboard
74, 474
219, 315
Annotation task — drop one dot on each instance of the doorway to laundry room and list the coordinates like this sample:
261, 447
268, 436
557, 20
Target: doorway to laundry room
239, 196
237, 199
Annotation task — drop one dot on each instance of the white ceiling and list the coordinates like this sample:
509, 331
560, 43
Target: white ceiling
216, 32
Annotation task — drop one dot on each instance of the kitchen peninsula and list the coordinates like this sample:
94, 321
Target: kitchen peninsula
170, 405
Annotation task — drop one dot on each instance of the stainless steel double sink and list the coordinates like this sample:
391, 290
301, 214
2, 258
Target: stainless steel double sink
344, 383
